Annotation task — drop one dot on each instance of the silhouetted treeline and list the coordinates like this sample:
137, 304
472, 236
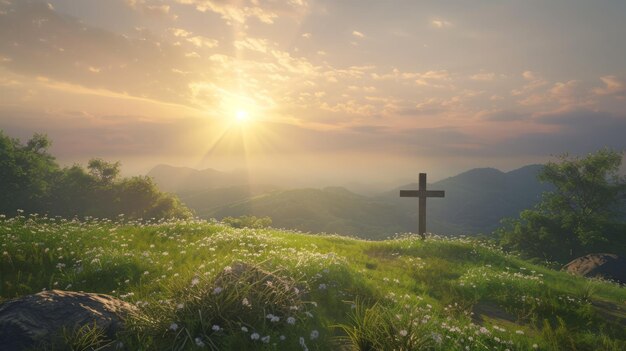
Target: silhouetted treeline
31, 180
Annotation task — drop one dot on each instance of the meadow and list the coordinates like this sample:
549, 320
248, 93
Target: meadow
204, 285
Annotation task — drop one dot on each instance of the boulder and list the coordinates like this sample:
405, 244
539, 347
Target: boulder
27, 321
600, 265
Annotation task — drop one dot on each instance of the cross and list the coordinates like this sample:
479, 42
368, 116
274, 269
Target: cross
422, 194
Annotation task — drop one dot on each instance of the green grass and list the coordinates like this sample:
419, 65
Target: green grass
204, 285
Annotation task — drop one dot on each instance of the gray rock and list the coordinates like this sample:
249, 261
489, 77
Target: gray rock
27, 321
599, 265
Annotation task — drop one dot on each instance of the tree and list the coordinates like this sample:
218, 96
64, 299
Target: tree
584, 212
32, 181
26, 173
104, 172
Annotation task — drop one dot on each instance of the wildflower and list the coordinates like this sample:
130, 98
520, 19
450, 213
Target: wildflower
314, 334
195, 281
255, 336
520, 332
173, 327
244, 329
216, 328
535, 346
180, 306
403, 332
217, 290
146, 273
266, 339
322, 286
304, 348
291, 320
483, 330
199, 342
282, 338
437, 338
245, 302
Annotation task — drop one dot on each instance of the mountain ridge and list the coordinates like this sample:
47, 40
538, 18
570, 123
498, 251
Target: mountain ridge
476, 201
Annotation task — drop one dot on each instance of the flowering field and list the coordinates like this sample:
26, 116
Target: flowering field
205, 285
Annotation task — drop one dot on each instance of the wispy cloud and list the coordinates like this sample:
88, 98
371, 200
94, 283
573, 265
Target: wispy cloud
358, 34
612, 86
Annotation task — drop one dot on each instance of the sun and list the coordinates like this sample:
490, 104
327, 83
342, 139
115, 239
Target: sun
242, 116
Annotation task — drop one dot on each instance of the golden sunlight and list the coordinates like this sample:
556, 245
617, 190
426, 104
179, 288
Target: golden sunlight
242, 116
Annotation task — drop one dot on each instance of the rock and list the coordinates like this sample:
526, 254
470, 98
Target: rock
29, 320
601, 265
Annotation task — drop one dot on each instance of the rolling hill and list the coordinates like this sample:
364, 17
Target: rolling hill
204, 285
475, 202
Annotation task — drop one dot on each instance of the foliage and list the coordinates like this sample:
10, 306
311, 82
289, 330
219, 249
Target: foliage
202, 285
248, 222
584, 212
31, 181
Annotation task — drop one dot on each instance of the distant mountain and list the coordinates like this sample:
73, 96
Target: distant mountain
183, 179
475, 202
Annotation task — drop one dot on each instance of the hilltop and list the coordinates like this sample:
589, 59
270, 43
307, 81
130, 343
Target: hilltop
204, 284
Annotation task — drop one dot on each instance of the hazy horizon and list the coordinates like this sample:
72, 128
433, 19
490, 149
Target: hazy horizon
319, 91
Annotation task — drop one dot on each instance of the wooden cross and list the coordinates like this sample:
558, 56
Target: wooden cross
422, 194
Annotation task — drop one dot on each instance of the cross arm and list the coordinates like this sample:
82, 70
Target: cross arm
420, 193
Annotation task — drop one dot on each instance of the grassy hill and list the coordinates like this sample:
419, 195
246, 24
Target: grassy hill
331, 210
203, 285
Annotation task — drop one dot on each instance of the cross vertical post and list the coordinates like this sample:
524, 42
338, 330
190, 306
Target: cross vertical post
422, 194
422, 206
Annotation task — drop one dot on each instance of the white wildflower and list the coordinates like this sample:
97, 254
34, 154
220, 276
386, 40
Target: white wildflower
199, 342
304, 348
255, 336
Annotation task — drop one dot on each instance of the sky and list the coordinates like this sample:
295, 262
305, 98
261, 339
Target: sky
322, 91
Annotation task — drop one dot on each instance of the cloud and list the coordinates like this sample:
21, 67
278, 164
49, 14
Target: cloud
505, 116
38, 41
233, 13
483, 76
612, 86
201, 41
440, 23
151, 8
241, 11
179, 32
358, 34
